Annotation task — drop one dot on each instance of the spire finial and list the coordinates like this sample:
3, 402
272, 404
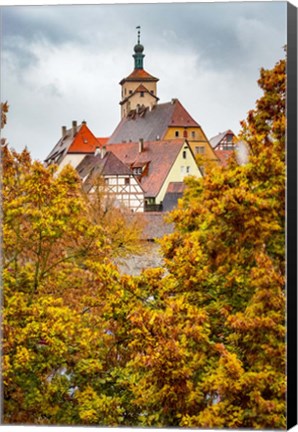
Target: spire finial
139, 33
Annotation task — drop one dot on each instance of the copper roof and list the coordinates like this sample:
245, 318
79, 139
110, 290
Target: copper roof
152, 124
157, 156
139, 75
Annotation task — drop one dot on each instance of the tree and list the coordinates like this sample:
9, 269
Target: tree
199, 343
4, 111
62, 301
226, 263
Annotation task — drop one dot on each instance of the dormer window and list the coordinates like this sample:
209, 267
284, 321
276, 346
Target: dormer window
137, 170
142, 94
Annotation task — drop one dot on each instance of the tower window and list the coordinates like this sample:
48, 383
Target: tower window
176, 133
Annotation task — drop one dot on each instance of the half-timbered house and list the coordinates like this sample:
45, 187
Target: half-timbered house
115, 180
156, 164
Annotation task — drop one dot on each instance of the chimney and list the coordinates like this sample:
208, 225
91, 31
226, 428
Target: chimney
103, 151
63, 131
173, 101
74, 128
141, 145
84, 122
97, 151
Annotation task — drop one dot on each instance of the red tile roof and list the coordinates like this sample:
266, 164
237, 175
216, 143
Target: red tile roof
176, 187
153, 123
224, 156
82, 142
139, 75
141, 88
181, 117
158, 156
103, 141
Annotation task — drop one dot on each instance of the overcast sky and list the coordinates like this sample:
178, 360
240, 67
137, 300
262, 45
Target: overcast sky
64, 63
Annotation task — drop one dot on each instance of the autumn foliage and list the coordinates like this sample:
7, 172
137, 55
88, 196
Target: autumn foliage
197, 343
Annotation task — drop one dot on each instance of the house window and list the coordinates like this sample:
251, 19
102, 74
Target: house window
137, 171
127, 180
176, 133
142, 94
184, 154
130, 91
193, 134
200, 150
185, 134
188, 169
182, 169
152, 92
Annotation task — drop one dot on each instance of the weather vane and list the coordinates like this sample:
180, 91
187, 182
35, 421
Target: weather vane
139, 32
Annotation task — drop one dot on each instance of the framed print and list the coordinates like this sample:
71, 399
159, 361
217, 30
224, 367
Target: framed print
149, 215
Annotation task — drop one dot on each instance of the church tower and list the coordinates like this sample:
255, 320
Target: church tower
139, 88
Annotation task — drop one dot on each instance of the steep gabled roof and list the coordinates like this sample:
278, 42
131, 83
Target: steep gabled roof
93, 166
139, 75
152, 124
107, 165
157, 156
83, 141
214, 141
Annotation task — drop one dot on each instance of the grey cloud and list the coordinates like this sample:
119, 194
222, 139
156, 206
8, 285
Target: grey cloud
207, 28
93, 45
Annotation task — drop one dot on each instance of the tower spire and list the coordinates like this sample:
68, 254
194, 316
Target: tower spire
138, 49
